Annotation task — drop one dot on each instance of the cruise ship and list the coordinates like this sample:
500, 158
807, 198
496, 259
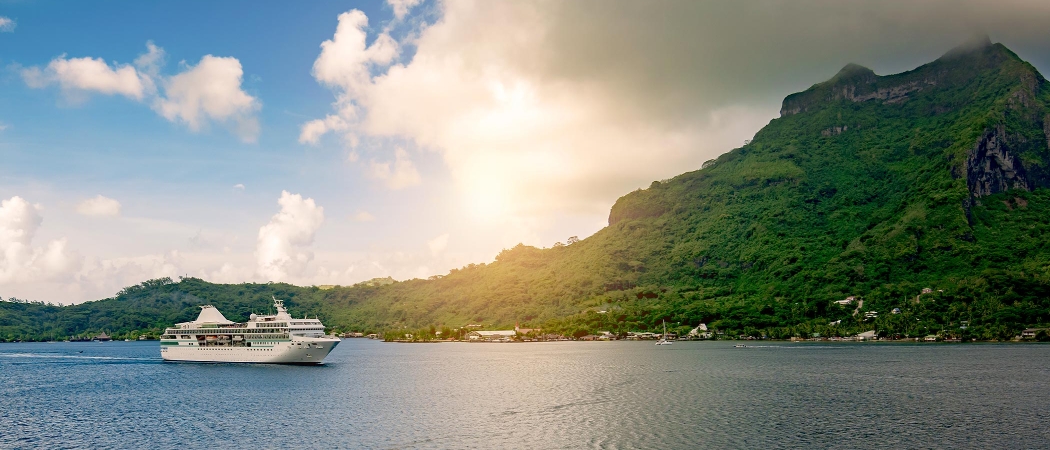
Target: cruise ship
273, 339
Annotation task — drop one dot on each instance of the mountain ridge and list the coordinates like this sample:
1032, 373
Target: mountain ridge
866, 185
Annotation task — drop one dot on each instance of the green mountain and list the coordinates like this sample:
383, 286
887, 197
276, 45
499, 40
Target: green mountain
871, 186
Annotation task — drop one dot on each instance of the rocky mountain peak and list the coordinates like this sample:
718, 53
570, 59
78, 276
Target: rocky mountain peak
854, 73
857, 83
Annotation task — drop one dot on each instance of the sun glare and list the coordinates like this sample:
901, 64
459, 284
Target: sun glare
487, 202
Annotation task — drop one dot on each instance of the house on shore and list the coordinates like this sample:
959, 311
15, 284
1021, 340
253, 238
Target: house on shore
1030, 333
102, 337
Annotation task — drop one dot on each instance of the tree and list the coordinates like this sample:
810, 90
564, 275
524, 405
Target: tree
572, 240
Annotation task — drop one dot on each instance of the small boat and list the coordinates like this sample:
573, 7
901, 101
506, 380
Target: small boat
663, 339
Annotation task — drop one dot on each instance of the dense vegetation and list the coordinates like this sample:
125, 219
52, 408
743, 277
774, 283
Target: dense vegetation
868, 186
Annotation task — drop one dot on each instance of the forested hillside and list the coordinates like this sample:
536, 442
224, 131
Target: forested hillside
871, 186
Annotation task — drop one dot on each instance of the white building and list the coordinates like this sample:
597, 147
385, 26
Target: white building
847, 301
866, 336
494, 335
700, 332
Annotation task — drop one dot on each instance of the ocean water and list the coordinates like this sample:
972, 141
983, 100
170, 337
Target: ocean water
628, 395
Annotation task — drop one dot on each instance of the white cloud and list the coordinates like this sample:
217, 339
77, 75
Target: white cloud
345, 59
283, 249
520, 133
151, 62
208, 92
3, 126
363, 216
399, 174
80, 75
313, 130
20, 261
238, 187
401, 7
438, 244
211, 90
99, 207
344, 64
7, 25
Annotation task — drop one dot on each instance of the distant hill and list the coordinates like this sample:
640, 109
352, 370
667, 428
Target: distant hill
871, 186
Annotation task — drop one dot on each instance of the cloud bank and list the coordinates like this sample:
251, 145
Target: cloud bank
545, 107
516, 137
51, 271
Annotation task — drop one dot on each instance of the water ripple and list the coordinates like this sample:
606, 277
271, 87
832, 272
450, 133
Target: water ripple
620, 395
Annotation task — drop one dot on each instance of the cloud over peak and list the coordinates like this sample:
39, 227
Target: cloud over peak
560, 107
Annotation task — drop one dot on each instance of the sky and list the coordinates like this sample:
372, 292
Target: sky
331, 142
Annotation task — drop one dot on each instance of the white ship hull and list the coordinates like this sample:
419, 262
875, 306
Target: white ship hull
299, 351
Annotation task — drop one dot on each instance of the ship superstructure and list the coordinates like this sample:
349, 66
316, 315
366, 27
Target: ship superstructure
275, 339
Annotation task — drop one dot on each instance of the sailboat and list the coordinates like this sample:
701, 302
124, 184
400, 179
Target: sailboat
663, 339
